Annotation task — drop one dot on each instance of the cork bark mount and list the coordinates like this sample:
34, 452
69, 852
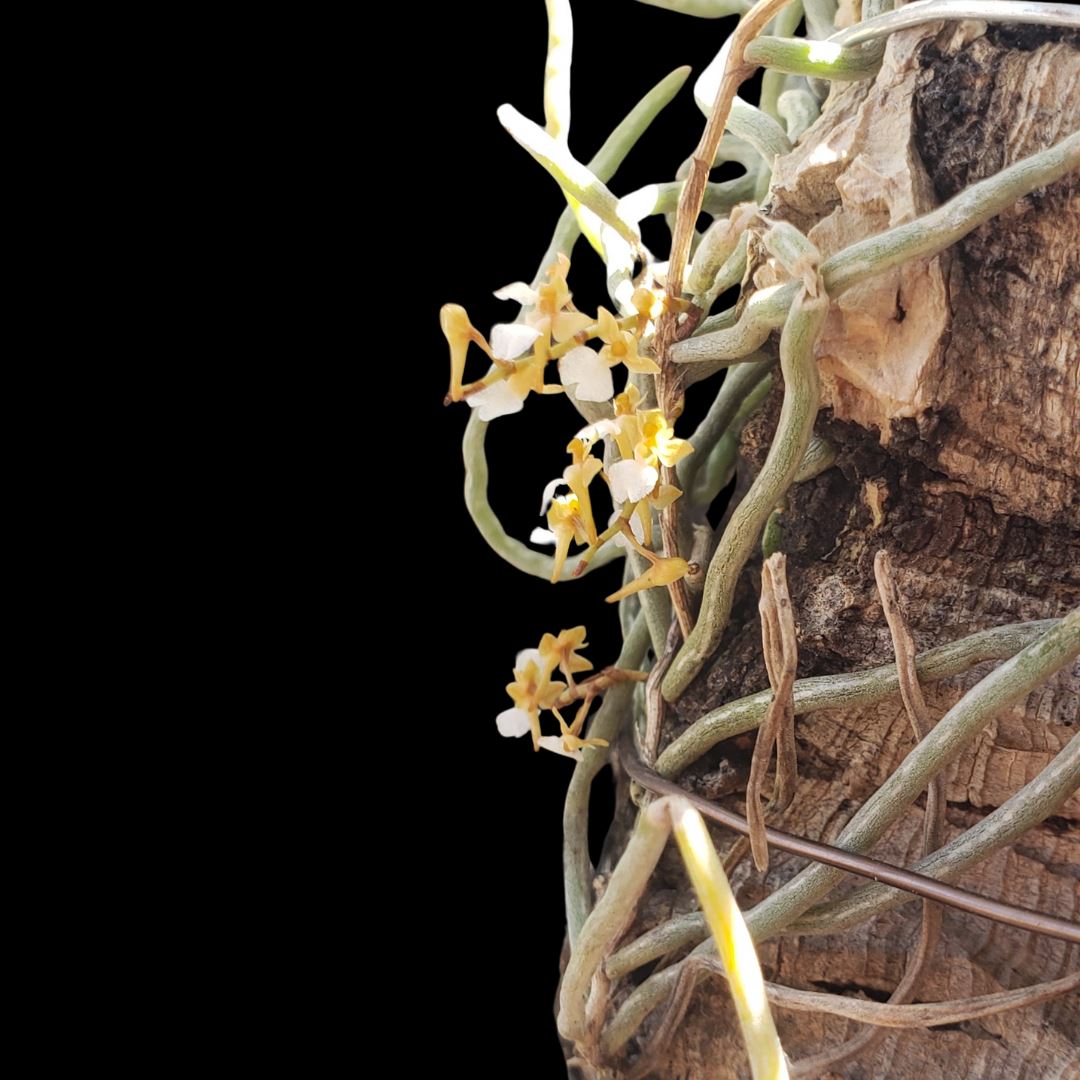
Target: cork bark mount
951, 394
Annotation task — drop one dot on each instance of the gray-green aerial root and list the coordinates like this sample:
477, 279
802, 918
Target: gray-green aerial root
801, 393
1038, 800
1015, 678
606, 724
849, 689
719, 338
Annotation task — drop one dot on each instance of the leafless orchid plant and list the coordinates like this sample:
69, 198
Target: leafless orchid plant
625, 368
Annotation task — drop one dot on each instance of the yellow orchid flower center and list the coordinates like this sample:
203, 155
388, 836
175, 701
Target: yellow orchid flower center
626, 403
553, 297
658, 442
648, 304
564, 510
620, 346
549, 313
529, 373
567, 521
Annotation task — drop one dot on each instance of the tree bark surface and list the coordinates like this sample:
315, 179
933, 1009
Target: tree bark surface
951, 394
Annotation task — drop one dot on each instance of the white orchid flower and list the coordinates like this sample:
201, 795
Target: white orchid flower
588, 372
506, 396
631, 480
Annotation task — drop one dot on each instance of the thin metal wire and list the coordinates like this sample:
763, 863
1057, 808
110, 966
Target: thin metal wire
1036, 921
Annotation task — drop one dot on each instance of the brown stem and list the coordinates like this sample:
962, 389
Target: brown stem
669, 534
654, 700
597, 684
736, 72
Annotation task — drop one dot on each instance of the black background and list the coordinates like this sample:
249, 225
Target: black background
483, 216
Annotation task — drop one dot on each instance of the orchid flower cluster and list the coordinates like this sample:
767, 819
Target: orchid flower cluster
639, 441
642, 439
534, 691
554, 330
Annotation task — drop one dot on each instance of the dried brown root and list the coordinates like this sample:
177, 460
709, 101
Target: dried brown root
781, 651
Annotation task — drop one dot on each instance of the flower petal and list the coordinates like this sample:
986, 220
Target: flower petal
631, 481
583, 369
525, 656
554, 744
542, 536
601, 429
498, 399
509, 340
635, 527
671, 450
579, 476
513, 723
568, 323
665, 497
519, 292
549, 492
647, 302
609, 327
641, 364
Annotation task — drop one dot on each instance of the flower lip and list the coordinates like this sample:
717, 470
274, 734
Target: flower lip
554, 743
588, 373
513, 723
600, 430
498, 399
631, 481
509, 340
550, 488
519, 292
